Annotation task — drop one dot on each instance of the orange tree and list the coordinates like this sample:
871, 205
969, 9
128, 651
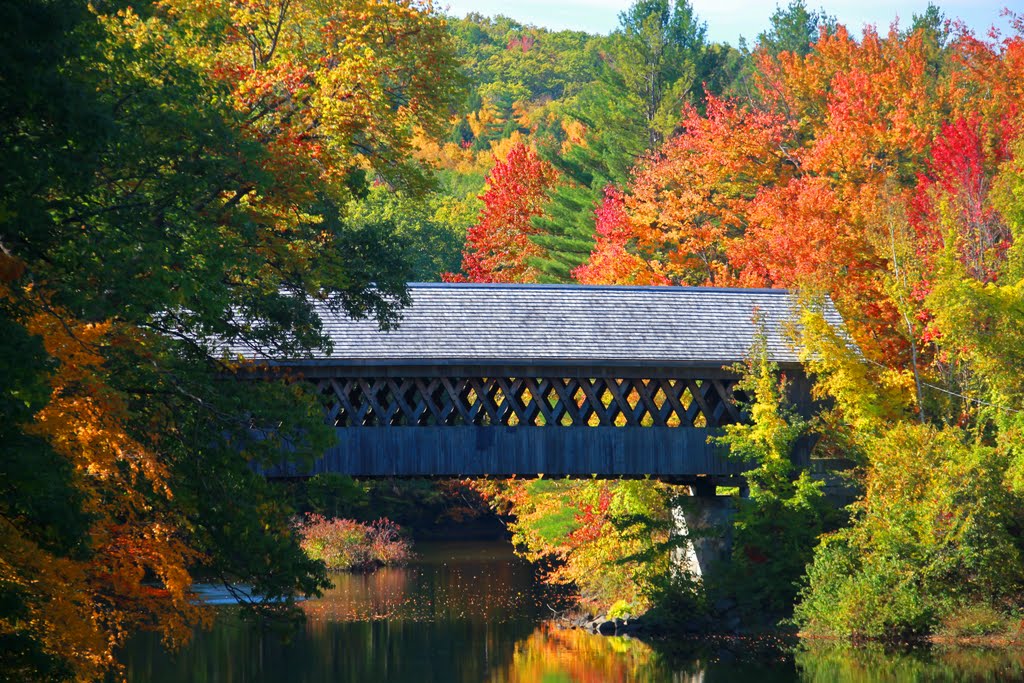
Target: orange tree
163, 195
812, 180
498, 247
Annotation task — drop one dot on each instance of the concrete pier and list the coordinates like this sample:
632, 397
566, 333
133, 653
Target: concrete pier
703, 521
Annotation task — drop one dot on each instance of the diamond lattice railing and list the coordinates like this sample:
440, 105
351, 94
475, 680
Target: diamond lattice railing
528, 401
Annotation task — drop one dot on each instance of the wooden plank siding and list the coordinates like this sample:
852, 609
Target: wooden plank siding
520, 451
380, 449
376, 447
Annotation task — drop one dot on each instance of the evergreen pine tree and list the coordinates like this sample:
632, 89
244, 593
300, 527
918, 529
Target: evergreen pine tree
647, 72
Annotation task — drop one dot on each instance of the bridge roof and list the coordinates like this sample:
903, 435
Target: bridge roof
449, 323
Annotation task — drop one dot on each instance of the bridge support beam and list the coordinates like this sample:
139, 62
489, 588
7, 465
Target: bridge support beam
703, 521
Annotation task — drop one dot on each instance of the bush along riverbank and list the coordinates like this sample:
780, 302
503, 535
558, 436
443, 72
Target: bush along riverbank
425, 509
344, 544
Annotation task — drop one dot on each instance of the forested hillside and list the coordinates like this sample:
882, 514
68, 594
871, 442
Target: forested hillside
591, 106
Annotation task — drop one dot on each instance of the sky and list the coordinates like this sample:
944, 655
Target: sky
727, 20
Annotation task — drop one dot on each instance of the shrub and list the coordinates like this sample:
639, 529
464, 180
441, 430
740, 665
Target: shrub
620, 609
386, 543
975, 621
343, 544
776, 528
934, 534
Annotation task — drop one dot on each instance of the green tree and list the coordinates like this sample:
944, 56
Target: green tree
615, 139
931, 537
147, 220
655, 52
776, 527
428, 231
648, 70
933, 22
794, 29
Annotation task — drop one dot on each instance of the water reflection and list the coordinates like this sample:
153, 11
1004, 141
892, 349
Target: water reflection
472, 613
550, 654
821, 662
479, 582
453, 615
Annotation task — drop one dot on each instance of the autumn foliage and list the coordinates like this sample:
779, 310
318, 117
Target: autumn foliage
688, 203
329, 87
607, 539
137, 571
346, 544
882, 170
183, 173
498, 247
611, 260
176, 176
841, 159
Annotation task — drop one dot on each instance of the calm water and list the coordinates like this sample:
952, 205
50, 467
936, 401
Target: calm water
470, 612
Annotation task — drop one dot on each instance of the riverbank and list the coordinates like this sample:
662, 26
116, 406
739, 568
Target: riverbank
652, 628
655, 631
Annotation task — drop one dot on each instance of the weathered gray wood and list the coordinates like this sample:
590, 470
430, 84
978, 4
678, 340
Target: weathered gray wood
524, 451
543, 401
494, 423
640, 368
501, 425
699, 403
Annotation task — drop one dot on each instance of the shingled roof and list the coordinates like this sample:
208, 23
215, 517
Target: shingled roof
450, 323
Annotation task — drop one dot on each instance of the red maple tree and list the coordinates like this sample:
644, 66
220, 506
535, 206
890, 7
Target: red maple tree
498, 247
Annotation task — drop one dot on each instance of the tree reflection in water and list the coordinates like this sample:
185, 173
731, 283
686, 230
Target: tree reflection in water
550, 654
473, 613
382, 594
819, 662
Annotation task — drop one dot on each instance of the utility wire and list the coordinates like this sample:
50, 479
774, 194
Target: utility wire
953, 393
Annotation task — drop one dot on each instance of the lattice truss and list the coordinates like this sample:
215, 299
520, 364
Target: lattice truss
435, 401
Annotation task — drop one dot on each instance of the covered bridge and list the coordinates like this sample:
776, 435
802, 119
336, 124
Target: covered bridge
560, 380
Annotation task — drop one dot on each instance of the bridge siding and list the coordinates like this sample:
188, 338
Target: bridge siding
524, 451
582, 451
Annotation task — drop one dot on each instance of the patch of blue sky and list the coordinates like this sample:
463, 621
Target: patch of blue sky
727, 20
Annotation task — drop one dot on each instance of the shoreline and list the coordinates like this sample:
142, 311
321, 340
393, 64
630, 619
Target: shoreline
653, 632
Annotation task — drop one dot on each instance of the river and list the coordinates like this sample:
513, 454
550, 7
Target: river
472, 613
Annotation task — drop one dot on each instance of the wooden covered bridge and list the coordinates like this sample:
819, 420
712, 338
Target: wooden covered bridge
523, 380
